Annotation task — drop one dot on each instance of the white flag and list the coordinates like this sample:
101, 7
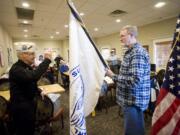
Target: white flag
86, 74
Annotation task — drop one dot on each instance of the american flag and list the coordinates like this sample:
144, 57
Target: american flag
166, 117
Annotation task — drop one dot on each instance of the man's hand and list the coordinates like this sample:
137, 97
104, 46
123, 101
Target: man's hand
43, 93
109, 73
63, 62
48, 55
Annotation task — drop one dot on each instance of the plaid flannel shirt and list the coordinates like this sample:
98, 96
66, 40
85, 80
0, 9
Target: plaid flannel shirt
133, 81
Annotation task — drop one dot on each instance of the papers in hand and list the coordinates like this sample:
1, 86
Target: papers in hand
108, 80
5, 76
53, 96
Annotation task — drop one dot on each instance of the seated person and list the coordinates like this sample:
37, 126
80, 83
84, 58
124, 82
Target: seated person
50, 75
154, 93
64, 77
113, 59
59, 60
107, 81
113, 62
104, 88
62, 67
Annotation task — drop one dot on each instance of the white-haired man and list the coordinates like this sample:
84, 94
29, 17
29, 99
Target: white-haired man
133, 82
23, 88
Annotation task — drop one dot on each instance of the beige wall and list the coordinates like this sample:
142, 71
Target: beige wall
5, 42
65, 48
161, 30
147, 34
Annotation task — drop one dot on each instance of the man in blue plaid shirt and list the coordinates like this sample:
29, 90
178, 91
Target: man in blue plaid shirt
133, 82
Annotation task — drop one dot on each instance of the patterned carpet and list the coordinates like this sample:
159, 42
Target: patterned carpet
104, 123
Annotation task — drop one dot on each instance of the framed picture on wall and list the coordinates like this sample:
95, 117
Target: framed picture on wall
105, 52
146, 47
54, 51
1, 58
162, 50
10, 59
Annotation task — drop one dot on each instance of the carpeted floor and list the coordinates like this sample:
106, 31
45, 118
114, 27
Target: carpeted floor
103, 123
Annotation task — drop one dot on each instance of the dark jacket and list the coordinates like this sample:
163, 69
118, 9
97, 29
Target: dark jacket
23, 89
57, 60
23, 80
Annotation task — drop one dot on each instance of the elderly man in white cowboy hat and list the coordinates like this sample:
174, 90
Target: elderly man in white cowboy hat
23, 88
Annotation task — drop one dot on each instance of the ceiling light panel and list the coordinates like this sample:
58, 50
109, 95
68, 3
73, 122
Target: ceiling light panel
25, 4
160, 4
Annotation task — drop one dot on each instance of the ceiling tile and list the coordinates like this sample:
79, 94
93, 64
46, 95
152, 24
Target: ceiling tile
51, 16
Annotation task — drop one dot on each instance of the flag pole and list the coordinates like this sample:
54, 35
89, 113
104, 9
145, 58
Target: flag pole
78, 18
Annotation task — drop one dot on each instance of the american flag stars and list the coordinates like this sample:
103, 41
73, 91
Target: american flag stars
171, 68
178, 21
171, 77
171, 60
178, 48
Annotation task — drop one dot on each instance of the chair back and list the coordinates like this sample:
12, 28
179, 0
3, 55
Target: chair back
4, 84
160, 76
43, 81
3, 107
44, 110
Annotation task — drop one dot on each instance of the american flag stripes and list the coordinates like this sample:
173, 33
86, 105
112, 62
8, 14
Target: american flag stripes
166, 117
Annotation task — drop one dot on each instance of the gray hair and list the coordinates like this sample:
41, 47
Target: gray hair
18, 54
131, 29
